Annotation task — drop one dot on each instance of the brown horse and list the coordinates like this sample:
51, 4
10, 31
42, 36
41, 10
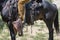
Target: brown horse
21, 8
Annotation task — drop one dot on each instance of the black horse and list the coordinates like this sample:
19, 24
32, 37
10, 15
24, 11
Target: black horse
10, 16
2, 3
42, 10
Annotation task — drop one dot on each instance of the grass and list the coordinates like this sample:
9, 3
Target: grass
24, 38
40, 36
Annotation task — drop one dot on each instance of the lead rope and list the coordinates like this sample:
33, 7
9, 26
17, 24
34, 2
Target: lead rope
31, 24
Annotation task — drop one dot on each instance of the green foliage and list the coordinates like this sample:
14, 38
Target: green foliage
2, 24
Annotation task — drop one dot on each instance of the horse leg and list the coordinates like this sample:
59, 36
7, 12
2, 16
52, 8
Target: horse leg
11, 31
50, 28
20, 33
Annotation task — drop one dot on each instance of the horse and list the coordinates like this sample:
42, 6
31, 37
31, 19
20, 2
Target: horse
42, 10
21, 8
10, 16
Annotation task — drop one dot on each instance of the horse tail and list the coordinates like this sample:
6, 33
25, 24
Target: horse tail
56, 23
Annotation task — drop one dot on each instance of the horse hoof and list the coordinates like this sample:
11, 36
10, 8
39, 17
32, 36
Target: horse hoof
20, 34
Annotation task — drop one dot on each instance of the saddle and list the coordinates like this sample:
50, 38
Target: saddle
17, 25
37, 10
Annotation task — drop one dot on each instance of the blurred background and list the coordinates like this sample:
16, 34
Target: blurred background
39, 32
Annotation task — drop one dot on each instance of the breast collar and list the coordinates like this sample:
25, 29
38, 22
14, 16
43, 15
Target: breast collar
36, 4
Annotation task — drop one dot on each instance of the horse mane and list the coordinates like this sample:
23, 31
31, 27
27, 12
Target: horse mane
39, 1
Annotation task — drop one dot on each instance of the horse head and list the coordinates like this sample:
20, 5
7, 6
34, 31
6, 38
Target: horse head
2, 4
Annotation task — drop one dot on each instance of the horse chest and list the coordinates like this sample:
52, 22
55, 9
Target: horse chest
39, 16
38, 13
